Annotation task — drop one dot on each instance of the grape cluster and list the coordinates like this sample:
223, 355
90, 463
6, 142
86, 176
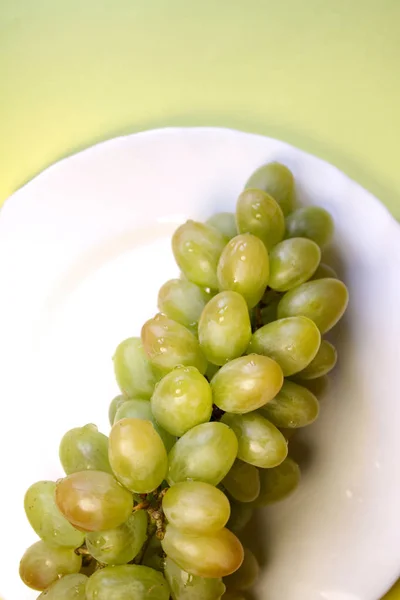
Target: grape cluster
211, 392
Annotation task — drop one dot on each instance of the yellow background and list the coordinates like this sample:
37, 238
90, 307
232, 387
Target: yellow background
321, 74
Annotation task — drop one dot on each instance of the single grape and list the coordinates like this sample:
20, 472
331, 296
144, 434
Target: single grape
127, 582
291, 342
241, 514
153, 556
247, 574
324, 271
137, 455
225, 222
134, 374
244, 268
323, 301
224, 327
84, 449
277, 180
169, 344
294, 406
69, 587
182, 301
214, 555
204, 453
246, 383
292, 262
197, 248
182, 400
322, 363
116, 403
42, 565
312, 222
242, 482
141, 409
278, 483
46, 519
196, 507
93, 500
259, 214
260, 443
185, 586
120, 545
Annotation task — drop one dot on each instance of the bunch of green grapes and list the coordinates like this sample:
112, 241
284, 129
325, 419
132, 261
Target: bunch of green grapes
210, 393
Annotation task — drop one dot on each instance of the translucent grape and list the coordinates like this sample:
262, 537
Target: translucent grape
292, 262
214, 555
291, 342
41, 565
240, 516
184, 586
224, 327
46, 519
182, 301
127, 582
260, 443
247, 574
134, 374
69, 587
246, 383
182, 400
169, 344
141, 409
197, 248
244, 268
120, 545
324, 271
322, 363
93, 500
137, 455
323, 301
294, 406
153, 556
205, 453
259, 214
84, 449
278, 483
242, 482
196, 507
277, 180
116, 403
312, 222
225, 222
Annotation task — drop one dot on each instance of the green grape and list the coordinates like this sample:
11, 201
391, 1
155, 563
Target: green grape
114, 406
324, 271
137, 455
260, 443
127, 582
240, 516
41, 565
278, 483
169, 344
246, 383
120, 545
275, 179
259, 214
213, 555
244, 268
312, 222
242, 482
184, 586
225, 222
133, 372
46, 519
204, 453
269, 311
197, 248
291, 342
211, 370
247, 574
196, 507
224, 327
141, 409
153, 556
324, 361
292, 262
182, 301
182, 400
323, 301
84, 449
318, 386
69, 587
294, 406
93, 500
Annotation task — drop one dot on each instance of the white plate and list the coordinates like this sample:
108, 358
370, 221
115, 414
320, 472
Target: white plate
83, 250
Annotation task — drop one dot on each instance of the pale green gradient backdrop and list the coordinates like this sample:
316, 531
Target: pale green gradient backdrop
321, 74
